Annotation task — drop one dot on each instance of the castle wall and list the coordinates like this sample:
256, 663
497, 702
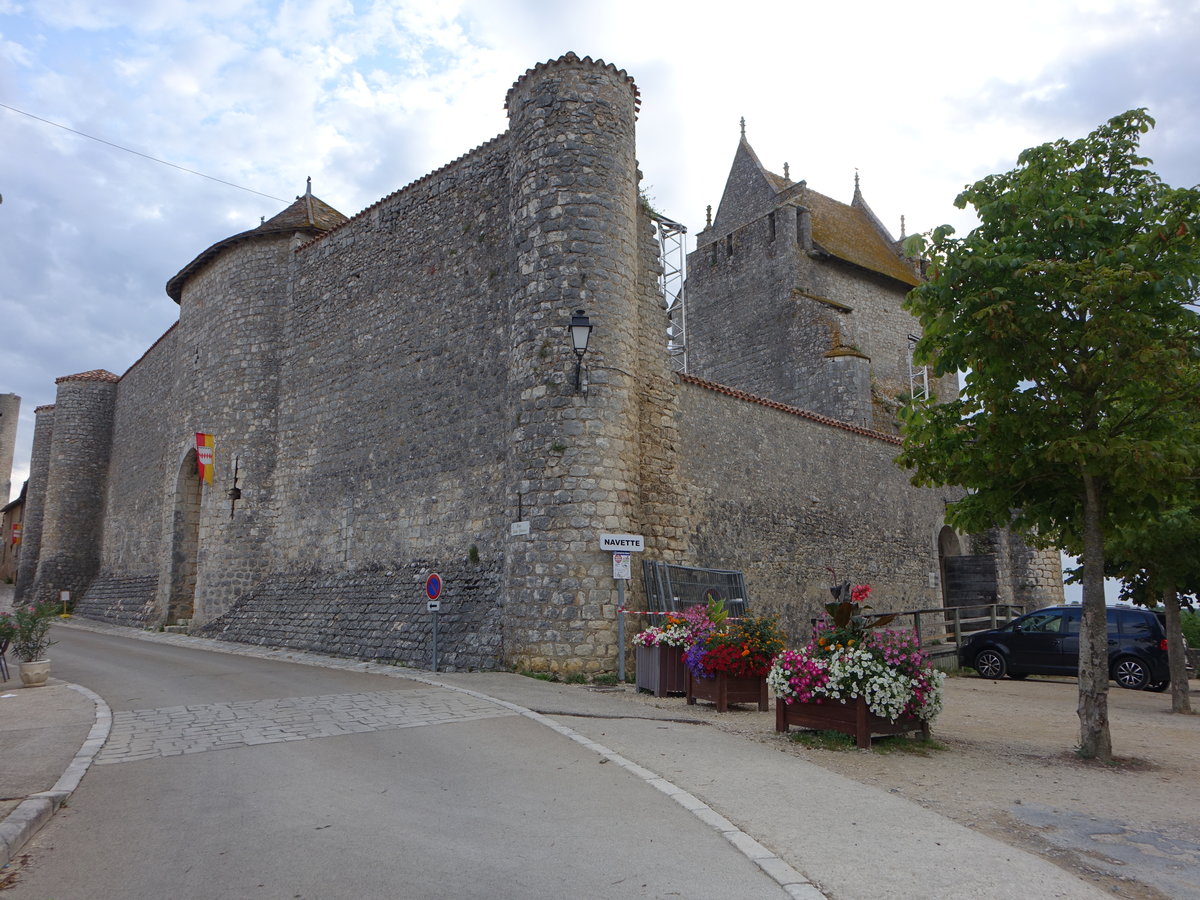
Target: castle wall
394, 423
132, 553
783, 497
392, 430
389, 398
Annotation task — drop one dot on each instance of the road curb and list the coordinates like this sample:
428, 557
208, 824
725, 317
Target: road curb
35, 811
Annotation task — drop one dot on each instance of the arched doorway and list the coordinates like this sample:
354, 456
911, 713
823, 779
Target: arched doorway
185, 542
948, 546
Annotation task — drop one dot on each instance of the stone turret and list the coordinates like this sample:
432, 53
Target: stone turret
35, 502
66, 543
232, 300
573, 456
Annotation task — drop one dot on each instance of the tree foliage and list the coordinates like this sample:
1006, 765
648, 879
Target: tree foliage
1067, 308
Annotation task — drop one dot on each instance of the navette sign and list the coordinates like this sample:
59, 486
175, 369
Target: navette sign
624, 543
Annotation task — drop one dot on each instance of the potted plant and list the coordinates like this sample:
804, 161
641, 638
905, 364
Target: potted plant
855, 677
658, 656
729, 663
27, 630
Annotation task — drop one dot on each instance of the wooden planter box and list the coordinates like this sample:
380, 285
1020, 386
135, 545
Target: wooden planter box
724, 689
852, 718
660, 670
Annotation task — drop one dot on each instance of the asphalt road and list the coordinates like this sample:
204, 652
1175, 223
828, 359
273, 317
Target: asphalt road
234, 777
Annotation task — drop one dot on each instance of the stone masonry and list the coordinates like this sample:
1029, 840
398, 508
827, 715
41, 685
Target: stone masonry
393, 394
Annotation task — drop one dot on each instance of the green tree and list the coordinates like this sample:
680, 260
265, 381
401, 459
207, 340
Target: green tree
1066, 308
1158, 559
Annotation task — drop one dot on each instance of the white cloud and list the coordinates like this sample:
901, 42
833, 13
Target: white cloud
369, 95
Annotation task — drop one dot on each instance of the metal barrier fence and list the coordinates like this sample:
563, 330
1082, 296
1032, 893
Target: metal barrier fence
673, 588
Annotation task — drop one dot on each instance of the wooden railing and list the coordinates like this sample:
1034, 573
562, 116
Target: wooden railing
941, 629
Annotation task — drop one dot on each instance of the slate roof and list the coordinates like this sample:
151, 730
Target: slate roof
93, 375
309, 215
849, 233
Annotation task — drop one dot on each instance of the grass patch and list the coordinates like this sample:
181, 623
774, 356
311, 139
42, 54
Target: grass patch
608, 679
836, 740
540, 676
822, 740
576, 678
899, 743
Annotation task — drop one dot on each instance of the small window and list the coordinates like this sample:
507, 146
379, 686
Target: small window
771, 226
729, 245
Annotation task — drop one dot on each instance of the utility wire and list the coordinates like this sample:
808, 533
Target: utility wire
143, 155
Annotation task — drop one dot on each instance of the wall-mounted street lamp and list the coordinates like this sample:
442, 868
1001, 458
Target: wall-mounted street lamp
581, 331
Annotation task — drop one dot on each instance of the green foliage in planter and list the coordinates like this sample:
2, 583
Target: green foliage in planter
28, 630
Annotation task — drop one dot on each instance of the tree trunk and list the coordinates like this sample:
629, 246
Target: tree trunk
1176, 659
1095, 742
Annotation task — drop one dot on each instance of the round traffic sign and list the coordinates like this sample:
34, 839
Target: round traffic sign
433, 586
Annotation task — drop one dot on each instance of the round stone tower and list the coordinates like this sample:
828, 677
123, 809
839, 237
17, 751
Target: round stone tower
573, 454
232, 299
68, 552
35, 499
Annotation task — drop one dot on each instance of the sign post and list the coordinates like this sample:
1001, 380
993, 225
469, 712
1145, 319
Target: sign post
433, 590
621, 546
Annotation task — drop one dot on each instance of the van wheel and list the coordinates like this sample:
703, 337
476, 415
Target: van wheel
990, 664
1158, 686
1130, 673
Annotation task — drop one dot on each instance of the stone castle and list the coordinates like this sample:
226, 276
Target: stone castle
394, 394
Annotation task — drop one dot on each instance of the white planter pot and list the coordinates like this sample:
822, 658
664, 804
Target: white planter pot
34, 674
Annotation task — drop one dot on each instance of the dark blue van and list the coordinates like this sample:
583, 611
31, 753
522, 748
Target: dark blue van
1046, 642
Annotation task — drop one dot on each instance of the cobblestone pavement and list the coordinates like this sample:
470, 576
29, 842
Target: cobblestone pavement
176, 730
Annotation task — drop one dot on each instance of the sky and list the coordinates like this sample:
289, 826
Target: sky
365, 96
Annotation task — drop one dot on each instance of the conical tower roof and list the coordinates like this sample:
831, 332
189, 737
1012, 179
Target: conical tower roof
308, 215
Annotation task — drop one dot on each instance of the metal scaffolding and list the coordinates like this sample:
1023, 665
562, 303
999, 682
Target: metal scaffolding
918, 376
672, 284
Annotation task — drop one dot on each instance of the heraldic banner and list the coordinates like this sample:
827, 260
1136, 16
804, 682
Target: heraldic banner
204, 456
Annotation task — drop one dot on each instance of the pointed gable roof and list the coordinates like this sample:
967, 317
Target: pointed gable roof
849, 232
308, 215
750, 190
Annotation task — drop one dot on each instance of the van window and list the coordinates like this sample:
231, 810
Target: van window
1134, 623
1043, 623
1073, 617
